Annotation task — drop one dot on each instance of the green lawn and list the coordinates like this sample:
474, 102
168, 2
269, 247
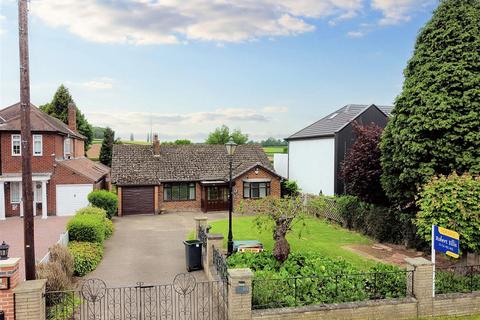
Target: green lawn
318, 236
272, 150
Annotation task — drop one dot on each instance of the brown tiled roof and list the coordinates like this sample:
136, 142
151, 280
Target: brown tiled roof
136, 164
86, 167
40, 121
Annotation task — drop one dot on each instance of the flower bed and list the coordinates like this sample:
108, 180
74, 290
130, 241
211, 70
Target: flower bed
308, 278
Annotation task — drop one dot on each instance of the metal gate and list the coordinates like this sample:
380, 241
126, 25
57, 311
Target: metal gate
184, 299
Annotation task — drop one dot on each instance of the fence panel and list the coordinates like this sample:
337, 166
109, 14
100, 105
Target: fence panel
457, 279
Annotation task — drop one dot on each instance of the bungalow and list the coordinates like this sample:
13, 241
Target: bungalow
316, 152
155, 178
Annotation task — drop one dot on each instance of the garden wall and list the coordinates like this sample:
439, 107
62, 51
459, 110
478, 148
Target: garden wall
386, 309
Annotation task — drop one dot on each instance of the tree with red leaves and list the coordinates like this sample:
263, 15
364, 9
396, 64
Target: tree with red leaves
361, 170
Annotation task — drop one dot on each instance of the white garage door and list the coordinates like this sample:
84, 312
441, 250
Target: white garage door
71, 197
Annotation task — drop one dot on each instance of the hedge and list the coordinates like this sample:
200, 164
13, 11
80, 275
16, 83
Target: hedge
87, 227
105, 200
92, 210
382, 223
87, 256
109, 228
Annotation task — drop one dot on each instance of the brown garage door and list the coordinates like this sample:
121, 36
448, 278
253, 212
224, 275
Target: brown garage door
137, 200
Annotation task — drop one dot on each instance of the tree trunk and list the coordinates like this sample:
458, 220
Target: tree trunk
281, 249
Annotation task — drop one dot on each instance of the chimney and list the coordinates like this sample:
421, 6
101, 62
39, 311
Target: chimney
156, 145
72, 117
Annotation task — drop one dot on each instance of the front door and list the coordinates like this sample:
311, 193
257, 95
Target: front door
216, 198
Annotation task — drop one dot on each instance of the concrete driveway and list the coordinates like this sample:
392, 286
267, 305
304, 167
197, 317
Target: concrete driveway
148, 248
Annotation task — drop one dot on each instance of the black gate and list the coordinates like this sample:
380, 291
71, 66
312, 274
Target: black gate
184, 299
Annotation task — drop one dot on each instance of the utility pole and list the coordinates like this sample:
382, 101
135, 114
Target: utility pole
27, 192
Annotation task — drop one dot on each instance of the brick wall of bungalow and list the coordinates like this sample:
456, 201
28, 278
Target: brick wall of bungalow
195, 205
183, 205
275, 189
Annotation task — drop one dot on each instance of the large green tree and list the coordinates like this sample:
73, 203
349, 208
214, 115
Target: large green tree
58, 108
435, 124
107, 147
222, 134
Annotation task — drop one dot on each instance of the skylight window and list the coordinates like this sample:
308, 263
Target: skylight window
333, 116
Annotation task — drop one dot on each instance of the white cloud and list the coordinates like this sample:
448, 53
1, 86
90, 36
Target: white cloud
103, 83
175, 21
194, 125
273, 109
355, 34
397, 11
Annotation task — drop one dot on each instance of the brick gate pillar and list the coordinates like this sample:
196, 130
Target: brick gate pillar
9, 279
200, 222
422, 284
240, 294
29, 300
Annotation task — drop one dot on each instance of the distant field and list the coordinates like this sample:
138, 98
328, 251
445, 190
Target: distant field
134, 142
272, 150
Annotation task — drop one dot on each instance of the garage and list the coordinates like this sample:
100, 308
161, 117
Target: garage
71, 197
138, 200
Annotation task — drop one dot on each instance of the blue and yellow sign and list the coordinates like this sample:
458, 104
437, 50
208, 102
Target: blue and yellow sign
446, 241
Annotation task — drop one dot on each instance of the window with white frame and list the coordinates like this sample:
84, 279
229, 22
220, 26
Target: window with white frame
67, 146
16, 145
15, 192
255, 190
37, 145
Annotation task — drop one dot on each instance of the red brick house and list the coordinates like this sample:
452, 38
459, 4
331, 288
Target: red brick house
155, 178
62, 176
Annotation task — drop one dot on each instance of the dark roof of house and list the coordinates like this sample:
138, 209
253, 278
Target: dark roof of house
335, 121
40, 121
86, 167
136, 164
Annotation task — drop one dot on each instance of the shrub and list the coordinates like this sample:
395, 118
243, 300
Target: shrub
65, 307
289, 188
109, 228
53, 272
382, 223
57, 280
307, 278
87, 256
361, 169
105, 200
86, 227
92, 210
451, 202
61, 255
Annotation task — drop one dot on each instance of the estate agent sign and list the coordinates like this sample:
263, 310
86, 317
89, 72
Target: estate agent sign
446, 241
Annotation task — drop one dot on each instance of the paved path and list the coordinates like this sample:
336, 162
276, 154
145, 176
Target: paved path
148, 248
47, 233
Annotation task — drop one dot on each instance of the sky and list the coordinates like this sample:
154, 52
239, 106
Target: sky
181, 68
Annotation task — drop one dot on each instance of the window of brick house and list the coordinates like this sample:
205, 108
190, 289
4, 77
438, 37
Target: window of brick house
16, 145
37, 145
67, 147
15, 192
255, 190
179, 191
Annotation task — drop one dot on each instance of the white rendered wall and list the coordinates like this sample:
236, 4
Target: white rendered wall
311, 163
280, 164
